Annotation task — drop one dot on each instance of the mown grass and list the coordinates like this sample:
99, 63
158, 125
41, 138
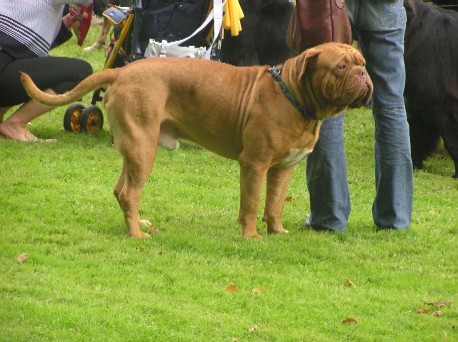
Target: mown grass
84, 279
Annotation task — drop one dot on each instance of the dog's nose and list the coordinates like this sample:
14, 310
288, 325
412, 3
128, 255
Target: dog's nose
360, 71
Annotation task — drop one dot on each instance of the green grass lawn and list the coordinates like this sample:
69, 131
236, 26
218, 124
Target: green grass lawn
198, 280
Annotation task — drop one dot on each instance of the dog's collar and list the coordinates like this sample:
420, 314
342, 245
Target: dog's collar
305, 113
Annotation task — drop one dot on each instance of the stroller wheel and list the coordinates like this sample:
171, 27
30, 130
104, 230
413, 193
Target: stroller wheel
72, 117
91, 119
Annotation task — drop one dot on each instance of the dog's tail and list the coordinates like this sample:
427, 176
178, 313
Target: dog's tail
91, 82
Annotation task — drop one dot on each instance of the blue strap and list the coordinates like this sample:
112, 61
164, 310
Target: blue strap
276, 74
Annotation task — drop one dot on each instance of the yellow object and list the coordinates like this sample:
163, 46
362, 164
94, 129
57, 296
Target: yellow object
232, 15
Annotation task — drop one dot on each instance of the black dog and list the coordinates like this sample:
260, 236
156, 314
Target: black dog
431, 93
99, 6
262, 39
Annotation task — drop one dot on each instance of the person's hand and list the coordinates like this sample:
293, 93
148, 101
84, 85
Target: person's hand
68, 21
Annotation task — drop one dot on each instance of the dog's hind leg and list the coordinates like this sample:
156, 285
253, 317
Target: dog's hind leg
117, 191
120, 183
449, 133
137, 166
424, 139
276, 188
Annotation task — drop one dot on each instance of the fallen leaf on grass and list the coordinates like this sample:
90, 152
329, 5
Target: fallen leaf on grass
231, 288
253, 328
440, 303
349, 283
21, 258
436, 313
258, 290
350, 320
289, 199
422, 311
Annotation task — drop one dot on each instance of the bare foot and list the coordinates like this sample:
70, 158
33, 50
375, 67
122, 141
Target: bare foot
19, 133
14, 131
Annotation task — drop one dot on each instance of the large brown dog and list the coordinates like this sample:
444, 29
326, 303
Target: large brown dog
240, 113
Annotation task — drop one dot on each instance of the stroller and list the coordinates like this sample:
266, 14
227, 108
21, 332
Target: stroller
153, 28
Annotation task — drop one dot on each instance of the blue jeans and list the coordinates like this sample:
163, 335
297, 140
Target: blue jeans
379, 27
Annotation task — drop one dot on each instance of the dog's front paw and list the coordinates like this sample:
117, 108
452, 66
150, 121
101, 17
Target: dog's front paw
139, 235
145, 223
251, 235
283, 231
276, 230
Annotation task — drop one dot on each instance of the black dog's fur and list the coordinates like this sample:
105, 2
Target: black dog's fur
448, 4
99, 6
262, 39
431, 93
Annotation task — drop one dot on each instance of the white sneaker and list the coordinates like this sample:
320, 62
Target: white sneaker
95, 46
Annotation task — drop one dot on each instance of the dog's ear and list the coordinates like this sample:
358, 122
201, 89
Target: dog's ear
306, 57
306, 62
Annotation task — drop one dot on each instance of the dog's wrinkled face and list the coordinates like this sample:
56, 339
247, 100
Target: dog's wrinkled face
337, 73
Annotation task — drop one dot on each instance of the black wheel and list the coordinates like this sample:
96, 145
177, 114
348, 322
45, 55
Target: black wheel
72, 117
91, 119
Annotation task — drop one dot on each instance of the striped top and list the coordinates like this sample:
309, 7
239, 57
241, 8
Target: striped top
29, 27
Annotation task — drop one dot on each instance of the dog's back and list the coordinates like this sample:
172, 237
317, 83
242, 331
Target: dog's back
431, 54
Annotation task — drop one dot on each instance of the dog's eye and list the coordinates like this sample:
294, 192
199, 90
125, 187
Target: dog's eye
342, 66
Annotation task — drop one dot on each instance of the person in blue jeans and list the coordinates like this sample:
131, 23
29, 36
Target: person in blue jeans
378, 26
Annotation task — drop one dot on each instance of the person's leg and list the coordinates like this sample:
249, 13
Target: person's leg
327, 178
53, 74
15, 127
383, 50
